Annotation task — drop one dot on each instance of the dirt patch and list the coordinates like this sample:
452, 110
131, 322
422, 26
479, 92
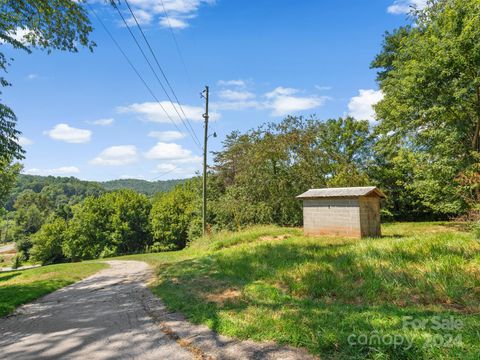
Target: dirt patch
224, 296
278, 237
8, 252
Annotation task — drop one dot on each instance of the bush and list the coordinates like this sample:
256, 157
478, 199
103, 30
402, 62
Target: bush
18, 260
23, 245
115, 223
48, 242
172, 214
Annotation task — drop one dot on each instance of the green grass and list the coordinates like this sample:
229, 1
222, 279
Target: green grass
317, 292
20, 287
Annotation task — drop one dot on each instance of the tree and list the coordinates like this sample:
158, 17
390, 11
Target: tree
431, 106
260, 172
172, 214
115, 223
48, 242
27, 24
8, 175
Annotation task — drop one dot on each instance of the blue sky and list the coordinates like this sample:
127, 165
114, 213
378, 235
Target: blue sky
88, 115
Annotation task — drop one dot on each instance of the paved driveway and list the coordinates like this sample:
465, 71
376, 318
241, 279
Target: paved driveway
101, 317
113, 315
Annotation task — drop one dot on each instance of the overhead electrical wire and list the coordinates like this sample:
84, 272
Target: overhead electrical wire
158, 64
165, 173
189, 130
176, 42
132, 66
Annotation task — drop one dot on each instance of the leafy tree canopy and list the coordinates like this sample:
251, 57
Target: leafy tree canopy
26, 24
429, 74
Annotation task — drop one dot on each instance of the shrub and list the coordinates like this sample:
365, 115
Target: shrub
115, 223
171, 216
23, 244
18, 260
48, 242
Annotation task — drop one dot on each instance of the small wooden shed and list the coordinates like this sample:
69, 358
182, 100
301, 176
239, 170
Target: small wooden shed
350, 211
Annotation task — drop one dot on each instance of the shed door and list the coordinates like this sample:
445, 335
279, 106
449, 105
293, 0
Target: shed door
373, 216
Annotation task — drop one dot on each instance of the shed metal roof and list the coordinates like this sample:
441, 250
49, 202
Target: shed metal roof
341, 192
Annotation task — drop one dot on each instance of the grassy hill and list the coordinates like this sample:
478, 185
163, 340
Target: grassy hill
412, 294
339, 298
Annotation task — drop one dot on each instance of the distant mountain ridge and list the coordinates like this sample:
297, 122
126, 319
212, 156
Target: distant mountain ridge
72, 187
142, 186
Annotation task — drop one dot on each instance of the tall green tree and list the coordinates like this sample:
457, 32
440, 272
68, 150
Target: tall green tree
115, 223
24, 25
430, 76
48, 242
172, 215
259, 173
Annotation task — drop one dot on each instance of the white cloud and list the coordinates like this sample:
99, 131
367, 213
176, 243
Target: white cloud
63, 170
175, 23
283, 102
102, 122
167, 135
65, 132
323, 88
143, 17
173, 170
139, 176
19, 35
234, 95
280, 101
168, 151
152, 111
237, 105
117, 156
361, 107
32, 76
405, 6
24, 141
281, 91
235, 83
179, 12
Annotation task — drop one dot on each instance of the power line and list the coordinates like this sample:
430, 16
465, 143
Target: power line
165, 173
156, 76
176, 42
131, 65
159, 66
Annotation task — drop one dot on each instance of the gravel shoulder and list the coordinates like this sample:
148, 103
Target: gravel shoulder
113, 315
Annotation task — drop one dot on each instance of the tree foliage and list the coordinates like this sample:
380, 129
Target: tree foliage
149, 188
172, 215
113, 224
431, 106
48, 242
26, 24
259, 173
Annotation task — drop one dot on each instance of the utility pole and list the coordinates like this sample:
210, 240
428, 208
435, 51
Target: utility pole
205, 139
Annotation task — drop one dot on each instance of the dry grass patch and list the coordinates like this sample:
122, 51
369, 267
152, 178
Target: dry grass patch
221, 298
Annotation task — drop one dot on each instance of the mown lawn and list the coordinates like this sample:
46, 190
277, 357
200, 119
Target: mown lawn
413, 294
20, 287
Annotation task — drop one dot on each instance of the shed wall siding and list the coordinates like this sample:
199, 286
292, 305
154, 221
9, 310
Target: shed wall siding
333, 216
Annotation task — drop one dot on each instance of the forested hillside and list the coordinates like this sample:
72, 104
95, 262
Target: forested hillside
75, 189
142, 186
63, 189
